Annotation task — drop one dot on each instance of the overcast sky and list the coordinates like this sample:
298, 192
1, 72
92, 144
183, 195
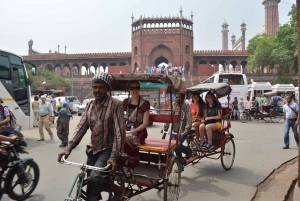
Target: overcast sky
89, 26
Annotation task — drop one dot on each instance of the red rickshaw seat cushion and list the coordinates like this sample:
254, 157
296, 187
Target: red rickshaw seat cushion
157, 145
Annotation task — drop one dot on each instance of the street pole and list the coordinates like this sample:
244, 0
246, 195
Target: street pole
72, 81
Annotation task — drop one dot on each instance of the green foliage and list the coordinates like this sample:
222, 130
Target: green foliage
283, 80
52, 80
280, 52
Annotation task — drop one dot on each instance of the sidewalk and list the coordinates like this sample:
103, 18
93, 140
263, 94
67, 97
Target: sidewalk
280, 184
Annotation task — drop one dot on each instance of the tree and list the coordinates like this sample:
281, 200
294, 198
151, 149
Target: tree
52, 80
280, 52
283, 80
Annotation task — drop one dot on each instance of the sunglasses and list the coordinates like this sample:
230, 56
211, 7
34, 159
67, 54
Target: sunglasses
135, 88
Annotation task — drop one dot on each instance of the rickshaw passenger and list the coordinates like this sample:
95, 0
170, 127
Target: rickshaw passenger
186, 126
137, 112
212, 120
267, 104
197, 110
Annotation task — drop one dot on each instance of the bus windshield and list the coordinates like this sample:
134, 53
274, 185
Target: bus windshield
231, 79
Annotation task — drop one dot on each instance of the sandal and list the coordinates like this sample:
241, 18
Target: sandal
129, 173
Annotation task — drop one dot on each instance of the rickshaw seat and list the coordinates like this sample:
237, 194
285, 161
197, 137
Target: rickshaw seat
157, 145
161, 118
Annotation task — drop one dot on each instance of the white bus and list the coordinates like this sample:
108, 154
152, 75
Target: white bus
283, 89
258, 88
15, 89
237, 81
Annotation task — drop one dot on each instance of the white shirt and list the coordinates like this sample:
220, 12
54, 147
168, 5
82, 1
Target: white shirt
289, 113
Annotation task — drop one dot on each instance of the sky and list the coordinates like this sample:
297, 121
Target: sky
94, 26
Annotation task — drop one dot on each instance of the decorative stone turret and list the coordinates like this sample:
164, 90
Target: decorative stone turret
30, 43
243, 29
271, 16
233, 39
225, 36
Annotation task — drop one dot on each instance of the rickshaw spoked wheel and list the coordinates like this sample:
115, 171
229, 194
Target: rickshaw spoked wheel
172, 184
275, 117
228, 154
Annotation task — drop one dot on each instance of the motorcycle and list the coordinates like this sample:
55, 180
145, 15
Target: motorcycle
19, 176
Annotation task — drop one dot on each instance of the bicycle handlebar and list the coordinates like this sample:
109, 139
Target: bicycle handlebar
101, 169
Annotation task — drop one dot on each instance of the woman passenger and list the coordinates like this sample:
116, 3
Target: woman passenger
137, 116
197, 110
212, 120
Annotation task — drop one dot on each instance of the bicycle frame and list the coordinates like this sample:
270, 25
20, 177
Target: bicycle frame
81, 182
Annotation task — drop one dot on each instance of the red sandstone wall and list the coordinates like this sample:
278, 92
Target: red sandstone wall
206, 69
118, 69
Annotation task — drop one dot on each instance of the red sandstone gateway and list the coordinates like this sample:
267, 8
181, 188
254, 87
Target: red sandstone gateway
159, 167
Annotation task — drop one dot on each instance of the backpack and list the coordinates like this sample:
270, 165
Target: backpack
13, 119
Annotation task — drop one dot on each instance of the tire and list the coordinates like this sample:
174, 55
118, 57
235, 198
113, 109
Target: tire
32, 172
172, 184
275, 117
79, 114
267, 118
150, 123
228, 154
245, 117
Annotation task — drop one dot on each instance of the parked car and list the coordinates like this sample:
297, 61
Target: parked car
74, 102
122, 97
81, 107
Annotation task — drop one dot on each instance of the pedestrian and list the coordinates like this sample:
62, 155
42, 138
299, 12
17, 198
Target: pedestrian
35, 108
53, 102
59, 105
290, 116
247, 104
235, 109
44, 117
137, 116
62, 126
275, 100
66, 101
241, 107
4, 116
104, 116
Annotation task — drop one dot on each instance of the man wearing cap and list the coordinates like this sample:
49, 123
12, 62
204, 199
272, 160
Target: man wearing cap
44, 116
105, 118
4, 115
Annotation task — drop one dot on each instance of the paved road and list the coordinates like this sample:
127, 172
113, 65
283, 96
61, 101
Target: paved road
258, 152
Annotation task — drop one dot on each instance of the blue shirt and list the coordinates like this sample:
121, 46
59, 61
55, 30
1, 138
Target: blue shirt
66, 101
45, 108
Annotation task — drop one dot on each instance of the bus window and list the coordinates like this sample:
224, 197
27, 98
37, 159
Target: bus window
19, 77
15, 60
232, 79
4, 68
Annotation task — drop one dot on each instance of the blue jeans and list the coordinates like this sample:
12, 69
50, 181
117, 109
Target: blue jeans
181, 148
287, 125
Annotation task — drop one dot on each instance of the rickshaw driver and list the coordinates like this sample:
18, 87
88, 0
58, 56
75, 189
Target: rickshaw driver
105, 118
186, 125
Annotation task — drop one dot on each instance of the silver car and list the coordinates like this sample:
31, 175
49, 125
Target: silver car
81, 107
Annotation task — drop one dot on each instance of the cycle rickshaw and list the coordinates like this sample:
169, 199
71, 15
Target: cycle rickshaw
272, 116
224, 146
159, 167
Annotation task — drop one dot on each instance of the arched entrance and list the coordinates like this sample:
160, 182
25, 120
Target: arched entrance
159, 54
160, 60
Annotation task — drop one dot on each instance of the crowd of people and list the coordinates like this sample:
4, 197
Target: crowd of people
168, 70
45, 108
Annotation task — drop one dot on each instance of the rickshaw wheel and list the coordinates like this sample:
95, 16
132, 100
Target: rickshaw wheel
172, 184
267, 118
245, 117
228, 154
275, 117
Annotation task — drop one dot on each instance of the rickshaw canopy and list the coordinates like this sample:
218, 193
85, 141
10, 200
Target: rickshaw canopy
271, 93
222, 89
120, 81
